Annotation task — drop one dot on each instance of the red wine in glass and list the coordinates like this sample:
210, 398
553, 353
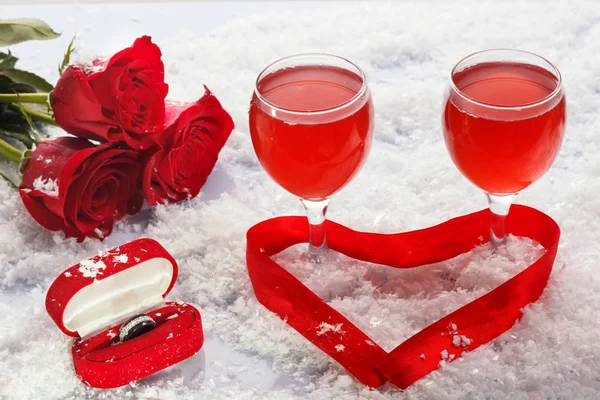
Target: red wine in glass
504, 121
312, 161
311, 121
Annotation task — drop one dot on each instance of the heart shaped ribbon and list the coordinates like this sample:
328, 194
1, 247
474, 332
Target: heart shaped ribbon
464, 330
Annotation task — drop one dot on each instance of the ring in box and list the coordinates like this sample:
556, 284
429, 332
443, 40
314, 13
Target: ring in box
92, 299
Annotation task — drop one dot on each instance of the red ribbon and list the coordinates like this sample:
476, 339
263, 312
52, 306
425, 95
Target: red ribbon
474, 324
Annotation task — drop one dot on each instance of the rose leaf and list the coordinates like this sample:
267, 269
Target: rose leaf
13, 31
7, 60
28, 78
18, 133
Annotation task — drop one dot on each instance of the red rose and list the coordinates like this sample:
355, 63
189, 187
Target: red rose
124, 101
187, 150
71, 185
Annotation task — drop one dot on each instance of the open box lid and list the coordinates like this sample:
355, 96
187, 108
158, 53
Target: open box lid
103, 290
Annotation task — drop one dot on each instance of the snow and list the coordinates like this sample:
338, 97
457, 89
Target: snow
121, 258
460, 340
456, 340
407, 50
324, 328
91, 268
46, 185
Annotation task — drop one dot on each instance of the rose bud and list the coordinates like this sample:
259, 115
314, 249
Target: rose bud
187, 150
81, 189
123, 100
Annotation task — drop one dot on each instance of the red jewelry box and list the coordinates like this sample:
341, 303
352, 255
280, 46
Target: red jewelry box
92, 299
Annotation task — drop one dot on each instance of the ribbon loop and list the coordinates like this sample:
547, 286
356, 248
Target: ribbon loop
463, 330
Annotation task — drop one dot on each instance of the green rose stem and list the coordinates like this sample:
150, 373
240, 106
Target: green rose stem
15, 101
39, 98
36, 115
10, 152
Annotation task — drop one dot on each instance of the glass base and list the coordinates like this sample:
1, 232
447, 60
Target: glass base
496, 241
321, 256
317, 255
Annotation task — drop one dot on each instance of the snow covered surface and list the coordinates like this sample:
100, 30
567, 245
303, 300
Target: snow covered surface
407, 50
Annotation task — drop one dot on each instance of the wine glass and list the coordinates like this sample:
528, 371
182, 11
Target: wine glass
311, 122
504, 122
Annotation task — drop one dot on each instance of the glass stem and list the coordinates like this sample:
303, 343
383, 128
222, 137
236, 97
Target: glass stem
317, 245
499, 206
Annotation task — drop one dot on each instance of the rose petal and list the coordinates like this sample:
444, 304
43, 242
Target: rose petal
97, 185
188, 150
76, 108
135, 203
39, 212
59, 151
132, 91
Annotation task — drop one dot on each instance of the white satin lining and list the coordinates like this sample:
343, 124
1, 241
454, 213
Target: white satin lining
108, 301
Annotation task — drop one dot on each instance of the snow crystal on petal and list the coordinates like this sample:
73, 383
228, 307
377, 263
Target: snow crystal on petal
46, 185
